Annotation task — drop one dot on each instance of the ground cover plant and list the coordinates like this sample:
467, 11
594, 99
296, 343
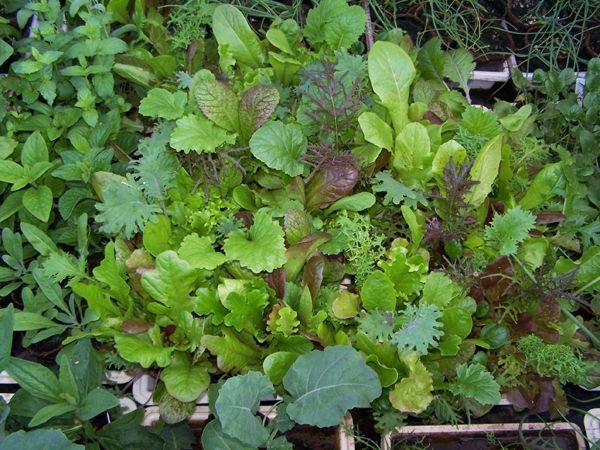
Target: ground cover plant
285, 207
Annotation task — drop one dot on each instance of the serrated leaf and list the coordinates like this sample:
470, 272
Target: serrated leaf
324, 385
420, 329
194, 132
200, 252
508, 230
171, 280
280, 146
473, 381
246, 308
261, 249
35, 378
395, 191
162, 103
237, 404
334, 22
146, 353
233, 354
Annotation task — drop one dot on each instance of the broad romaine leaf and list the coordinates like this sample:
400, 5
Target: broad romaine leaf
218, 102
412, 154
255, 107
184, 381
231, 30
508, 230
376, 130
473, 381
485, 170
171, 281
391, 72
324, 385
335, 23
200, 253
194, 132
237, 404
420, 329
377, 292
162, 103
280, 146
261, 248
413, 393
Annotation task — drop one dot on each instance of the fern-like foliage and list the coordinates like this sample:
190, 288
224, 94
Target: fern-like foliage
124, 210
476, 128
420, 328
155, 168
508, 230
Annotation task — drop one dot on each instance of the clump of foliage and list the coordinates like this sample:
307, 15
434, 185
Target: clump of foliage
553, 360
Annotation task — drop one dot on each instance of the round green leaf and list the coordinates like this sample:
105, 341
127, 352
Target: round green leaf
280, 146
324, 385
378, 293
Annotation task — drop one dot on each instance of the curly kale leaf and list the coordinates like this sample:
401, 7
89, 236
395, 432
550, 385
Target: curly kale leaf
510, 229
420, 328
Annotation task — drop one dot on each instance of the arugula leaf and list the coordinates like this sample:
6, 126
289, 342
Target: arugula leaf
259, 249
458, 65
420, 328
473, 381
508, 230
395, 191
162, 103
280, 146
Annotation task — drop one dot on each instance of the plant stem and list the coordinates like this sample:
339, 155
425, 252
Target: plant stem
565, 311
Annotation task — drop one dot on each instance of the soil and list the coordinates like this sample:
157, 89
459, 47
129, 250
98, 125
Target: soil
304, 437
497, 44
565, 440
493, 9
525, 13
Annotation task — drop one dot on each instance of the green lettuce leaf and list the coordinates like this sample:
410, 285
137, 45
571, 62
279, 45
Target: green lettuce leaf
162, 103
280, 147
199, 252
413, 393
391, 72
259, 249
232, 31
334, 23
184, 381
194, 132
